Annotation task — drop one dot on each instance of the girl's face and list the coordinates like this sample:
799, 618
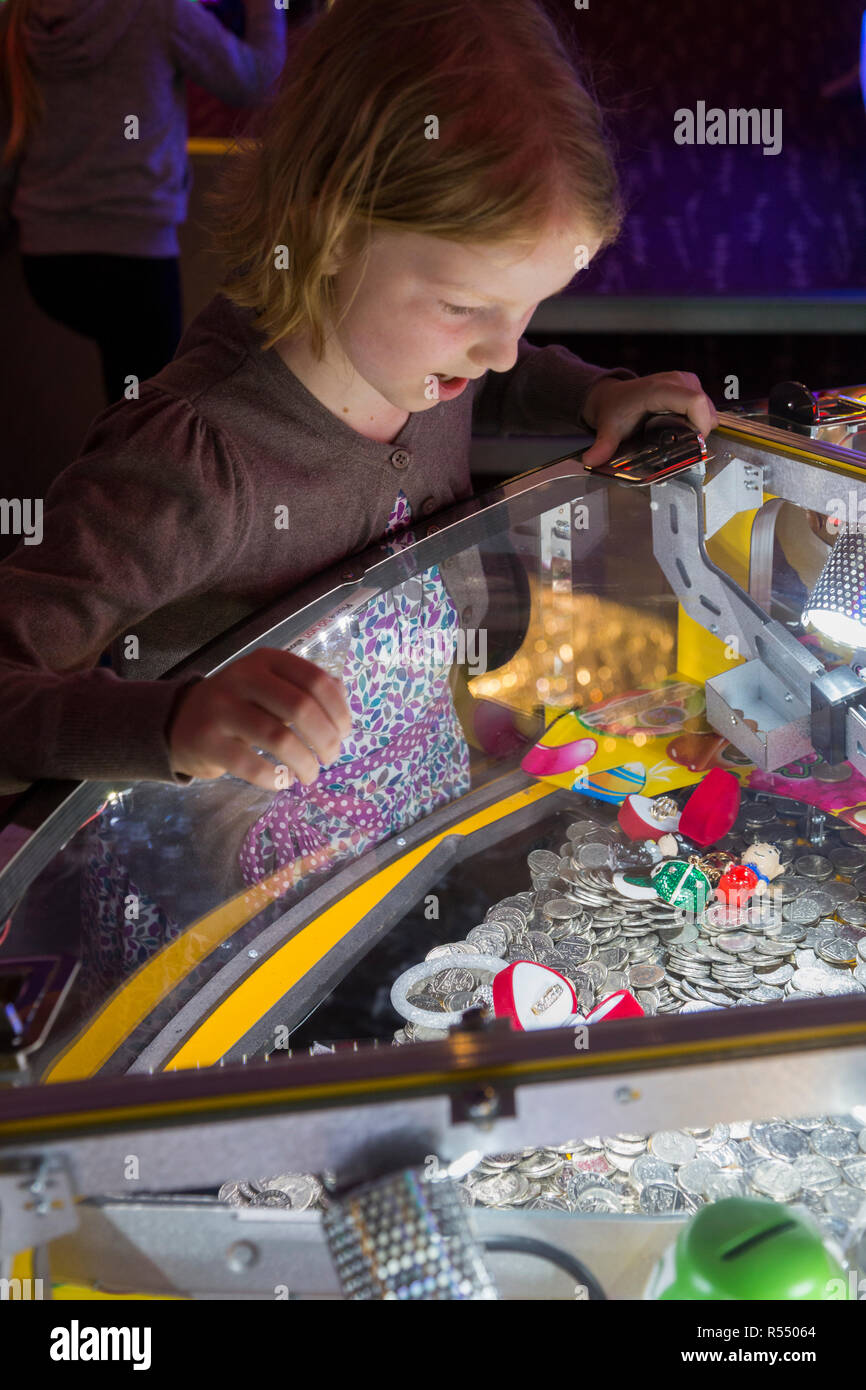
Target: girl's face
425, 306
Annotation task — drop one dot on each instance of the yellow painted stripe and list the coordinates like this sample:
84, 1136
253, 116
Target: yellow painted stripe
280, 972
362, 1087
137, 997
84, 1293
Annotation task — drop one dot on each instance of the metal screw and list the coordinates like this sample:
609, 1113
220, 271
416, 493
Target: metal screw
253, 955
241, 1256
401, 841
484, 1105
788, 697
624, 1095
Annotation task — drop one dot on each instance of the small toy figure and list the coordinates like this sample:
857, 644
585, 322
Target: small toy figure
764, 860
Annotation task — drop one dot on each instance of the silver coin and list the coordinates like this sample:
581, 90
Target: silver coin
815, 1172
501, 1188
849, 859
598, 1199
852, 914
842, 982
784, 1141
694, 1175
808, 981
490, 940
453, 981
661, 1198
844, 892
788, 887
837, 951
578, 830
229, 1192
542, 861
830, 1142
645, 976
802, 912
672, 1146
775, 1179
646, 1169
813, 866
823, 900
855, 1171
722, 1184
844, 1201
757, 813
593, 856
301, 1189
453, 948
779, 976
561, 909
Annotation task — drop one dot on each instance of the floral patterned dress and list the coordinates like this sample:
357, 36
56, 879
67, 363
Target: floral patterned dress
406, 756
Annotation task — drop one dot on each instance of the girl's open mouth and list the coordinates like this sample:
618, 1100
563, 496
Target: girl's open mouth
451, 385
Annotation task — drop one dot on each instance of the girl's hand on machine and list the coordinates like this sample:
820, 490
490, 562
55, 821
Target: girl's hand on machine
614, 408
271, 700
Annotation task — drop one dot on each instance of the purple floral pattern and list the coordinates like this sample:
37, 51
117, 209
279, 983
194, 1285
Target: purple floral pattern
406, 755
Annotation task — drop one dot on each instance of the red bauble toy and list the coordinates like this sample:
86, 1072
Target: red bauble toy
737, 884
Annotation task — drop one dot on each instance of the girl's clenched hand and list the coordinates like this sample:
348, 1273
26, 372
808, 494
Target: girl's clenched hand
615, 408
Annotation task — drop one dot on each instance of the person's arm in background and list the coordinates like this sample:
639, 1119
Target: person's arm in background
240, 72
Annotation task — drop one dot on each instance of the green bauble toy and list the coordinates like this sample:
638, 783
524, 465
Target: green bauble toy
682, 885
742, 1250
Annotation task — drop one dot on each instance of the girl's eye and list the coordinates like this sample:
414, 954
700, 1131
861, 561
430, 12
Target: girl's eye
456, 308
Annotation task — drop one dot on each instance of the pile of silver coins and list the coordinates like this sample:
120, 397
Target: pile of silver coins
816, 1163
288, 1192
805, 937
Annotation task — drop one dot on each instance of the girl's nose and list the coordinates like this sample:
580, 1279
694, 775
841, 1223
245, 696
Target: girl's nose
496, 354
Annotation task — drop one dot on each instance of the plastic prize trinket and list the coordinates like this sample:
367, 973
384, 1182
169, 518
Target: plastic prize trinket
764, 860
737, 884
682, 884
644, 819
533, 996
620, 1004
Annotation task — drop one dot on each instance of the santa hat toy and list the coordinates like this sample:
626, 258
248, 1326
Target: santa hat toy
712, 807
643, 818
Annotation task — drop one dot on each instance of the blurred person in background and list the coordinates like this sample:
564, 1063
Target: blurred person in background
93, 160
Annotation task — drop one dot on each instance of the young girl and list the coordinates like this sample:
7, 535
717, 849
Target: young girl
426, 175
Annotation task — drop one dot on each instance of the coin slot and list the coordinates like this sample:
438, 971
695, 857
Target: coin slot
758, 1239
713, 608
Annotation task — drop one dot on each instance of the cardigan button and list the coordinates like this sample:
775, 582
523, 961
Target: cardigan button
401, 459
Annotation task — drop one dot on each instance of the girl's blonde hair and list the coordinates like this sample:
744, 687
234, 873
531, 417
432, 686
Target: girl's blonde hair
462, 119
21, 92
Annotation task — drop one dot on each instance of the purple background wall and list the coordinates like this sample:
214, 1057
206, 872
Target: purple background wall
714, 220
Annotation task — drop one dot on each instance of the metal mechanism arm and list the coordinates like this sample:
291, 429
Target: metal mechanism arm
782, 702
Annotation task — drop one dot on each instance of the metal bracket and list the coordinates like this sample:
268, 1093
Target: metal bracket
738, 487
37, 1203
